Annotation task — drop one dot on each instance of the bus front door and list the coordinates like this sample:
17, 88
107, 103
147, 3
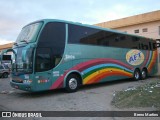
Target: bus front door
43, 67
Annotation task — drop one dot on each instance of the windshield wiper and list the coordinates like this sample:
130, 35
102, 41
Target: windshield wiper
24, 41
15, 44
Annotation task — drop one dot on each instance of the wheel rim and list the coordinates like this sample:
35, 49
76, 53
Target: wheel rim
143, 74
137, 75
72, 83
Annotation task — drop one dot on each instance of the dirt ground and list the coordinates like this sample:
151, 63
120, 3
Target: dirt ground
96, 97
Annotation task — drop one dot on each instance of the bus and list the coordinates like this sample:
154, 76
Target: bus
50, 54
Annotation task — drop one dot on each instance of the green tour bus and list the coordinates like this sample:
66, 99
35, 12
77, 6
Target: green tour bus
50, 54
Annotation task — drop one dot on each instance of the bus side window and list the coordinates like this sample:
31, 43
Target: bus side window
53, 36
43, 59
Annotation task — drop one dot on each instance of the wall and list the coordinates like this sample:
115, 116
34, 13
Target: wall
153, 29
6, 46
132, 20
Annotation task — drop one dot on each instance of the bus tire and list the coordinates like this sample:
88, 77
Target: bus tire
137, 75
72, 83
144, 74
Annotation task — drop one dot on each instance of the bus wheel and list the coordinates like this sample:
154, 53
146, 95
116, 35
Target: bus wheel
144, 74
72, 83
136, 75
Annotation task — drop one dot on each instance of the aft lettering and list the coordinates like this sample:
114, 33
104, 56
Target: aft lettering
134, 57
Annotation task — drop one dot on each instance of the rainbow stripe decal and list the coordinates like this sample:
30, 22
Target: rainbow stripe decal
104, 68
95, 70
150, 60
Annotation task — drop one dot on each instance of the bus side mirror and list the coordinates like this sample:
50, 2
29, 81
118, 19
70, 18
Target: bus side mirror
24, 51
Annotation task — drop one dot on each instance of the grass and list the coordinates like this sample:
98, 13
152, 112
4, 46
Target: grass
147, 95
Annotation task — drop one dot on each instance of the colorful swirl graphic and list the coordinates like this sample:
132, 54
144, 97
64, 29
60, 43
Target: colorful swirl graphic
98, 72
94, 70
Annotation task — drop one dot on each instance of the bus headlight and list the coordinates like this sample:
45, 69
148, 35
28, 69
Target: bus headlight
28, 81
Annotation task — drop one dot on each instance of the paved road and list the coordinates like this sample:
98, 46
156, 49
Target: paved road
89, 98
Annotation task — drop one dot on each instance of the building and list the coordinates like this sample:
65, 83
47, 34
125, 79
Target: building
147, 24
6, 46
3, 47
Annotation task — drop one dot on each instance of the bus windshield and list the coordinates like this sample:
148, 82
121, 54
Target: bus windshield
29, 33
19, 65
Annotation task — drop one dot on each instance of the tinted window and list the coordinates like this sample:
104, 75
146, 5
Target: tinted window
43, 59
124, 41
86, 35
83, 35
53, 37
91, 36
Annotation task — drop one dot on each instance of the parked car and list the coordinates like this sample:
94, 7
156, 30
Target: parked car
4, 71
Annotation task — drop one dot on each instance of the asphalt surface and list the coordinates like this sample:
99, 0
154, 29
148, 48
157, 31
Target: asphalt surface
96, 97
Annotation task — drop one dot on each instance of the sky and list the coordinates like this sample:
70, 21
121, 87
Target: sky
14, 14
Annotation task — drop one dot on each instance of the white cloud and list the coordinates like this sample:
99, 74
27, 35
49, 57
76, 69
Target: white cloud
111, 13
4, 41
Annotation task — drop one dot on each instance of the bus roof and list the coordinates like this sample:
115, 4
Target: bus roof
87, 25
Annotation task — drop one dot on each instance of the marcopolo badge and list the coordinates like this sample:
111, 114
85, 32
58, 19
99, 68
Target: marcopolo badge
135, 57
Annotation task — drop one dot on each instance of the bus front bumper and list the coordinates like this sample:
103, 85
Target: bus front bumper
21, 86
